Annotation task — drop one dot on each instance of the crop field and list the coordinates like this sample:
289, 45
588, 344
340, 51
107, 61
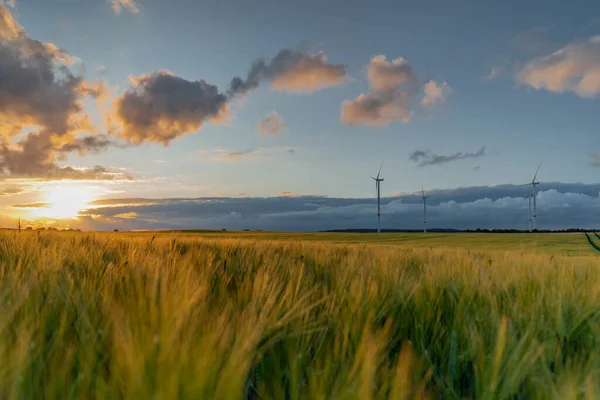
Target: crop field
259, 315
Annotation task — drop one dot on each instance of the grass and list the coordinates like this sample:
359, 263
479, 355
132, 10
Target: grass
240, 315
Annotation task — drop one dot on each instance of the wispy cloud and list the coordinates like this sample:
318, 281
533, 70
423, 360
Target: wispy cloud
271, 124
495, 72
426, 157
250, 154
9, 191
287, 194
32, 205
119, 5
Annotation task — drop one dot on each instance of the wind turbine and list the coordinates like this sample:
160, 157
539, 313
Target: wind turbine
378, 190
424, 200
533, 184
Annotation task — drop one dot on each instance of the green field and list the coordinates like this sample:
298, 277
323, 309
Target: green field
240, 315
557, 243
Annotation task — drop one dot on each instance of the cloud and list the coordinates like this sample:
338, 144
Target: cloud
287, 194
271, 124
377, 110
393, 89
293, 71
384, 76
495, 72
32, 205
426, 157
435, 94
9, 3
596, 159
574, 68
560, 206
130, 5
477, 168
89, 144
41, 103
9, 191
161, 106
251, 154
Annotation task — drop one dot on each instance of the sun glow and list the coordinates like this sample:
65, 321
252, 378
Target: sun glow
65, 201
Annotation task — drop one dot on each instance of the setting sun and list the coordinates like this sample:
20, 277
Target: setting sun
65, 201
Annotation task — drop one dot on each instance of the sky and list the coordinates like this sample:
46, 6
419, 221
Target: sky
264, 114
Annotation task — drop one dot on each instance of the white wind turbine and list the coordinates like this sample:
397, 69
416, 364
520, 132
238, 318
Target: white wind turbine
378, 189
533, 184
424, 200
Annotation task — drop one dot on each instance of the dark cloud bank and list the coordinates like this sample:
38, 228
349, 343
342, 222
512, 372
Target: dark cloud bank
560, 206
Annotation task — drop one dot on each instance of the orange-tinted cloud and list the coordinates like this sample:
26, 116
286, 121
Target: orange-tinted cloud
38, 90
287, 194
574, 68
384, 76
293, 71
435, 94
298, 72
377, 109
393, 89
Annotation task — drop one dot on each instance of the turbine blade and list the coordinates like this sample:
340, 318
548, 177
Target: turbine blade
378, 173
536, 172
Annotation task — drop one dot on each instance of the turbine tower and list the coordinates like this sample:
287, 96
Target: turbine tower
424, 200
378, 190
529, 220
533, 184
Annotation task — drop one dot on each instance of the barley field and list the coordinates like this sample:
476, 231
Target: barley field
298, 316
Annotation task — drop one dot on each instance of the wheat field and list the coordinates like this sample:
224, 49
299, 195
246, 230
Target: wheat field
172, 316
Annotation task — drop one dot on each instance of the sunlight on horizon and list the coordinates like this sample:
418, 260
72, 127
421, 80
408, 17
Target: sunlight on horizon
65, 202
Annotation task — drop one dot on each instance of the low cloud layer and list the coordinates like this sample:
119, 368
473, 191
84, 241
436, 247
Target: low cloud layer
161, 106
394, 88
560, 206
271, 124
574, 68
424, 158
